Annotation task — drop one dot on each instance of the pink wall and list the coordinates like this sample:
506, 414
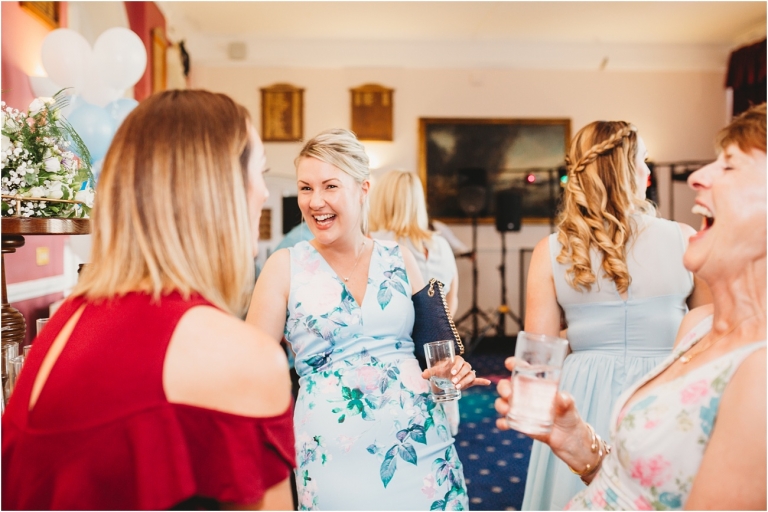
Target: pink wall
22, 38
143, 17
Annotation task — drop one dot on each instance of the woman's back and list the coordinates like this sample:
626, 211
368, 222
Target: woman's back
645, 324
103, 434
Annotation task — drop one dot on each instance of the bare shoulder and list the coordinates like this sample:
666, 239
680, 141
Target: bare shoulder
412, 269
279, 262
693, 318
540, 259
217, 361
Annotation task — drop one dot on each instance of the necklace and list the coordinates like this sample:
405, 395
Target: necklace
686, 358
362, 250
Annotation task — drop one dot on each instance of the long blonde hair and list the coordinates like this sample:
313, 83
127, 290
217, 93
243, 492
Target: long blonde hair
398, 205
340, 148
600, 195
171, 211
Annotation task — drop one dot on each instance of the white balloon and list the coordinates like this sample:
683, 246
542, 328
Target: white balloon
96, 91
120, 57
66, 56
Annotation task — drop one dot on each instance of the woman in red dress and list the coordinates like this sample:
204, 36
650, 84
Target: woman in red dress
145, 391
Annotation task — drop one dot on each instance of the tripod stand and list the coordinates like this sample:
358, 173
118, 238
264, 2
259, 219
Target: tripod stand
503, 310
475, 313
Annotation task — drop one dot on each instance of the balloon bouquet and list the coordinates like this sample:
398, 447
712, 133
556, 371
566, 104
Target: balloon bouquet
97, 79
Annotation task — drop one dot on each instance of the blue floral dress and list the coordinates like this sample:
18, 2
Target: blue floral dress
368, 437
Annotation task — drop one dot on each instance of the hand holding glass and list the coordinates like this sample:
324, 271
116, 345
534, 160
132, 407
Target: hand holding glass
440, 357
535, 379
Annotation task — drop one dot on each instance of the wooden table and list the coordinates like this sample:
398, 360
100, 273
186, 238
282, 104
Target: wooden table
14, 229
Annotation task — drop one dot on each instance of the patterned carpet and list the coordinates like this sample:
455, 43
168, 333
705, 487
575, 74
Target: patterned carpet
495, 462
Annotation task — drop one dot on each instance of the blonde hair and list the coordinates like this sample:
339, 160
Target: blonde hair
340, 148
398, 205
171, 212
600, 195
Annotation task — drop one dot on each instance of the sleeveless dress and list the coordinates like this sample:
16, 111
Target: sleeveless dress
103, 436
659, 442
368, 437
614, 342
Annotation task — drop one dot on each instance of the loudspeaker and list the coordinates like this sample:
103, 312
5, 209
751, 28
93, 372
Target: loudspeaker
291, 213
509, 210
473, 190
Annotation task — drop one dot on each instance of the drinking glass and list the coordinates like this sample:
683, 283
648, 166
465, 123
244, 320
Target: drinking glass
440, 356
10, 350
13, 375
538, 362
40, 322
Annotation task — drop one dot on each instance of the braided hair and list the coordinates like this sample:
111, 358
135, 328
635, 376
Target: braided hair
600, 196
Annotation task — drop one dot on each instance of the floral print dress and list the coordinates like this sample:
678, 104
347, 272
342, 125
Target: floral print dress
368, 436
661, 439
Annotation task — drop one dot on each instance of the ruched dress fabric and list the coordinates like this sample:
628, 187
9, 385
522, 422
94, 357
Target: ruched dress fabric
102, 434
614, 342
659, 440
368, 435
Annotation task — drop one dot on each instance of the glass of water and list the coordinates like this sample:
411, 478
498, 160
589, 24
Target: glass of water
535, 379
440, 356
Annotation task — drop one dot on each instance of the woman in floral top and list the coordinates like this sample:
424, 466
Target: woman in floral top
367, 434
692, 433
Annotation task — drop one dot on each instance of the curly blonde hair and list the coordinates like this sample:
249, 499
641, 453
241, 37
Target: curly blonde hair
600, 195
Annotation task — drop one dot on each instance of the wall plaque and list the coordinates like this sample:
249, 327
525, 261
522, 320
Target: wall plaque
372, 112
282, 113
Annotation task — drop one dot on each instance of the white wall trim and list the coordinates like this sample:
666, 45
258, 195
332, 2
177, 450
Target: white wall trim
37, 288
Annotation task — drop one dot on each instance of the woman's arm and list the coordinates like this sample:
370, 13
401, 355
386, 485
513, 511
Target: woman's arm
732, 474
452, 297
542, 312
412, 269
270, 296
277, 497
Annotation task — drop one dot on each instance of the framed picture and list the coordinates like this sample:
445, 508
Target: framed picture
159, 60
372, 112
463, 163
282, 113
47, 12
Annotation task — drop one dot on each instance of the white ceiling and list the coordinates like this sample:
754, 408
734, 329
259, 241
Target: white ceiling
297, 34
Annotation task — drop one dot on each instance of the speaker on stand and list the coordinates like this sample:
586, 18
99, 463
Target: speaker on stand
509, 206
473, 198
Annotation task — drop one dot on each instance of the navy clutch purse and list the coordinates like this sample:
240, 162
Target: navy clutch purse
433, 320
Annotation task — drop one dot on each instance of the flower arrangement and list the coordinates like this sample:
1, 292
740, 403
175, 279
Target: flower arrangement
41, 177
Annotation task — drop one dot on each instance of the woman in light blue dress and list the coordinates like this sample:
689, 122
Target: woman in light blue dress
613, 275
368, 436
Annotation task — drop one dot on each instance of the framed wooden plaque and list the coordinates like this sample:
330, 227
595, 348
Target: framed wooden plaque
372, 112
282, 113
48, 12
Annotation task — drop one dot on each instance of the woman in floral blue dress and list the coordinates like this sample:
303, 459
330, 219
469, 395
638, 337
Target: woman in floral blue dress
368, 436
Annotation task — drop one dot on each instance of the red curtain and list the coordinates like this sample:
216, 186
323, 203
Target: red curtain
746, 75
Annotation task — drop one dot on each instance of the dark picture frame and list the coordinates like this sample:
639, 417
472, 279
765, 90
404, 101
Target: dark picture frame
282, 113
460, 156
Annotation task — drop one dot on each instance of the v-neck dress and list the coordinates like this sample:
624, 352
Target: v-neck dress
614, 342
368, 436
660, 439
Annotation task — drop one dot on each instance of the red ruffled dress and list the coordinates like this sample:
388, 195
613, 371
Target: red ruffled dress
103, 435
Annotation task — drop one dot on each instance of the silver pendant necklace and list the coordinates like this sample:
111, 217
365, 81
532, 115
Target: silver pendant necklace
362, 250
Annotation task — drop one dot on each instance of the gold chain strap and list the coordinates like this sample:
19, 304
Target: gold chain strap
431, 293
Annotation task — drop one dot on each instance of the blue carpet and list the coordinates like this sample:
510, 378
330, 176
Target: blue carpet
495, 462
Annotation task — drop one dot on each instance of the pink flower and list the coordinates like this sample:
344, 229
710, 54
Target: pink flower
651, 424
642, 503
364, 378
318, 293
410, 376
650, 472
430, 486
694, 392
598, 498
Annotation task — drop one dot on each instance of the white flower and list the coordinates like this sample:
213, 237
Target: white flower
54, 190
6, 144
52, 164
37, 192
86, 196
36, 105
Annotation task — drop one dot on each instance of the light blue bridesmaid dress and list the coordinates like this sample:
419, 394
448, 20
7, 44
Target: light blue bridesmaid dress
368, 437
614, 342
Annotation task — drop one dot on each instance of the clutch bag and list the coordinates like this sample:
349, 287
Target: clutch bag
433, 320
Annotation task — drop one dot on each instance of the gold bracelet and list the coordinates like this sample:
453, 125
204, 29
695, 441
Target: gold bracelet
596, 445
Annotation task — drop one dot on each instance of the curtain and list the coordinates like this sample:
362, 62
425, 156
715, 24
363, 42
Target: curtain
746, 75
